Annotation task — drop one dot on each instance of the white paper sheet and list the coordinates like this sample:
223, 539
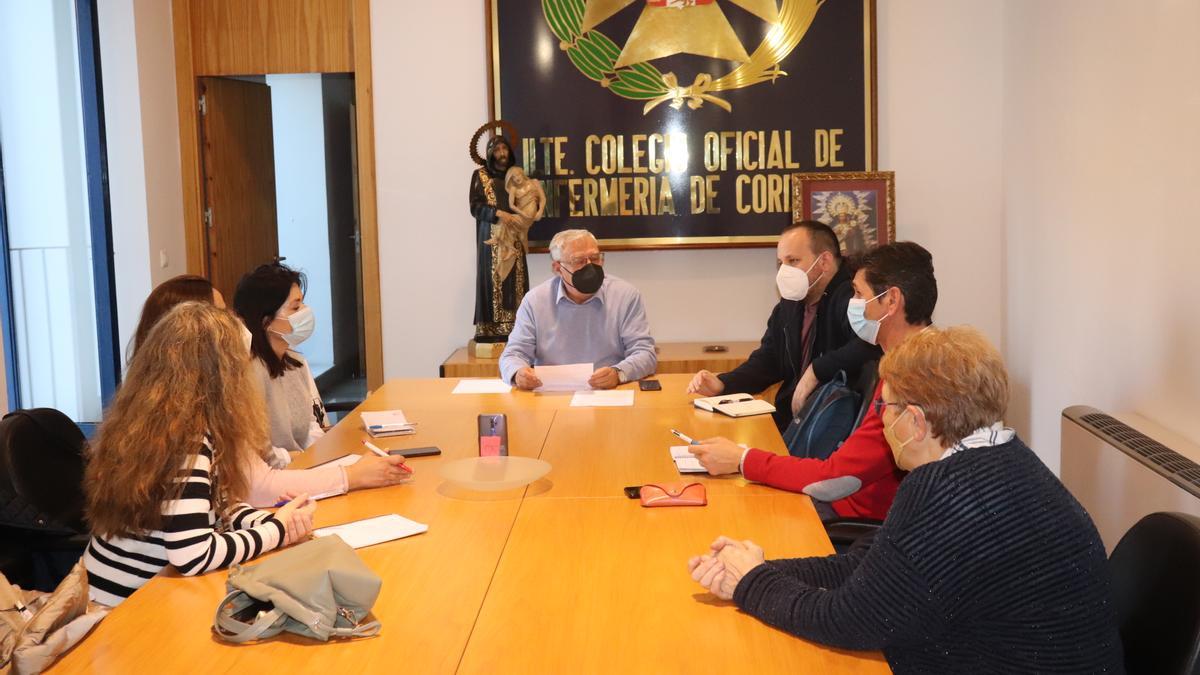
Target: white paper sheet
615, 398
491, 386
344, 460
371, 531
685, 461
573, 377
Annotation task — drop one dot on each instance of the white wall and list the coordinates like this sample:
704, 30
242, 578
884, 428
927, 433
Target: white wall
142, 127
947, 154
298, 127
1102, 99
940, 108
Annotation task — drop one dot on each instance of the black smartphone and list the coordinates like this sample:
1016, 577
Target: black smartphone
249, 613
650, 385
493, 436
416, 452
634, 491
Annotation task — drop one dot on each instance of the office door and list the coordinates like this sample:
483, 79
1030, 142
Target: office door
238, 155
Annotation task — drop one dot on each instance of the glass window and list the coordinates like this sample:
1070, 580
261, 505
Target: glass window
55, 348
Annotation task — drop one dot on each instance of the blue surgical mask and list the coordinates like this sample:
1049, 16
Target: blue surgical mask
867, 329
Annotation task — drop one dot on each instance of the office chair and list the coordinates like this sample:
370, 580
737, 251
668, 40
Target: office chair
41, 497
1156, 586
845, 532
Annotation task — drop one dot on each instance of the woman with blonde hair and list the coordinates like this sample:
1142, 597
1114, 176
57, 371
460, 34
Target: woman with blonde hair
268, 484
166, 475
985, 562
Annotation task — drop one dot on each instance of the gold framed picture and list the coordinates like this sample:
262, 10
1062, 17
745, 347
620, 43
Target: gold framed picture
860, 206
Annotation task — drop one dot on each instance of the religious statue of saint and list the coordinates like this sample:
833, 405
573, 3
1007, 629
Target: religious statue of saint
501, 273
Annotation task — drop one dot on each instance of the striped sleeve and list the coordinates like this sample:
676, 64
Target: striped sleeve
827, 572
192, 543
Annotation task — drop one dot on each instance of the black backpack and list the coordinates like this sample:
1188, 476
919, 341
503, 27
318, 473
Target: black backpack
41, 472
831, 413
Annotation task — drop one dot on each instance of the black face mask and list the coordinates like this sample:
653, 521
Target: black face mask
587, 279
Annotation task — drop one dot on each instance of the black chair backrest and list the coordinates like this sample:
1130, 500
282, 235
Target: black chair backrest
1156, 584
41, 471
868, 379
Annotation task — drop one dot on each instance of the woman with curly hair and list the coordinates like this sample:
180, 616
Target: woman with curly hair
166, 476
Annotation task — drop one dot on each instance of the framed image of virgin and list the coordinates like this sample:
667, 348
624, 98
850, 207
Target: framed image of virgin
859, 206
678, 123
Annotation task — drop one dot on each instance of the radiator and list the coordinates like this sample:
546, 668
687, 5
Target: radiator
1123, 469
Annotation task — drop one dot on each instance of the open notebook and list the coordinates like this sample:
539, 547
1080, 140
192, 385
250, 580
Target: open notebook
685, 461
735, 405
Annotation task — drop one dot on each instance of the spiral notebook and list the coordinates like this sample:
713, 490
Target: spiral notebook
685, 461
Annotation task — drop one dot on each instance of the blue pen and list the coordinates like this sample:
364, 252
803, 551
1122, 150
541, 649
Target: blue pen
279, 504
396, 426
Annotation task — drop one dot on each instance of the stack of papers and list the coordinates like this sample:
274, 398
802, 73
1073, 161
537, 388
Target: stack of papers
371, 531
615, 398
492, 386
735, 405
384, 423
573, 377
685, 461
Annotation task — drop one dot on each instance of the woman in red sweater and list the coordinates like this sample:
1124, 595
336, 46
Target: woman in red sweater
895, 292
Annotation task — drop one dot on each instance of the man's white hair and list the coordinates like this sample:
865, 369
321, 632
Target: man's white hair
562, 239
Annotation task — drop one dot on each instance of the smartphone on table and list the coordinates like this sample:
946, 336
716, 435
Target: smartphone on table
416, 452
493, 436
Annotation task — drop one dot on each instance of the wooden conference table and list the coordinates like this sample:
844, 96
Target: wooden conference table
567, 575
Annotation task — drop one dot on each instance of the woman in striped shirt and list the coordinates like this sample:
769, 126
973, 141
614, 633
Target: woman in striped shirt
166, 476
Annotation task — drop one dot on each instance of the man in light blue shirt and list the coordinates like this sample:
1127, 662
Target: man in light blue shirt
580, 316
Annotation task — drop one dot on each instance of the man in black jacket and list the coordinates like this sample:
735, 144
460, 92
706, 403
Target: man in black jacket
808, 338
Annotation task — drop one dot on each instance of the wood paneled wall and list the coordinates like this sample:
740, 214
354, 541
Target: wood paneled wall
261, 37
240, 37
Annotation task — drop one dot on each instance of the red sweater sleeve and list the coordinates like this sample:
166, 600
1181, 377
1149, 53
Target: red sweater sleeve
865, 455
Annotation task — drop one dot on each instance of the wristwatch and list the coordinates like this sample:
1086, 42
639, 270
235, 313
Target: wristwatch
621, 376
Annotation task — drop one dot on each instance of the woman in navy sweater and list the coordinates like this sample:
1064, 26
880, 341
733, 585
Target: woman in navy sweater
985, 562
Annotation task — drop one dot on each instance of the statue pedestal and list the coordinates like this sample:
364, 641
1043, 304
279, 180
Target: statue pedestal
486, 350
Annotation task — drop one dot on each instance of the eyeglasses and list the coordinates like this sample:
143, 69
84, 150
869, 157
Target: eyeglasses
879, 404
580, 261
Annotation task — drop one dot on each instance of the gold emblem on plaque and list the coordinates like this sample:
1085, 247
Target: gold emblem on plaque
669, 27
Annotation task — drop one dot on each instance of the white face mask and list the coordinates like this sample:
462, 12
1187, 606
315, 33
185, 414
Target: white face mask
793, 282
303, 322
867, 329
247, 336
